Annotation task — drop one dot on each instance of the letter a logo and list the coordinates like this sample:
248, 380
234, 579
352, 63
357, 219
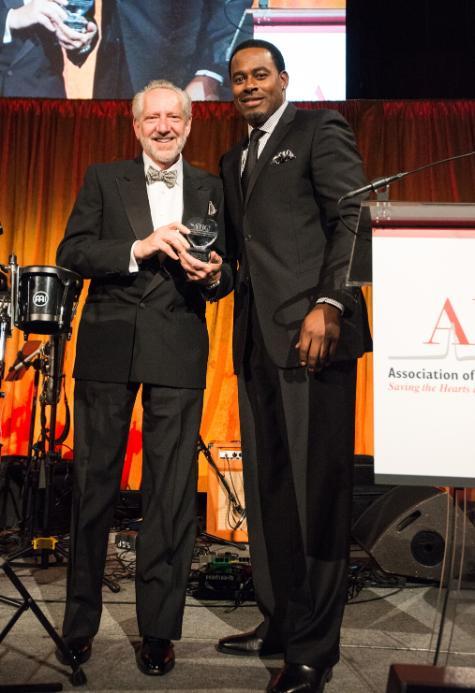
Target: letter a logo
455, 325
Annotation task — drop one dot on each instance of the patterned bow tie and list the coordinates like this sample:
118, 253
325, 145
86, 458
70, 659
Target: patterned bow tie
168, 177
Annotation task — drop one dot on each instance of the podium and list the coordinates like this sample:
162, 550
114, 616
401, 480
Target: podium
423, 275
420, 259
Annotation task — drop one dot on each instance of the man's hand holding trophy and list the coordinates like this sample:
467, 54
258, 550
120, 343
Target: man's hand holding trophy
201, 264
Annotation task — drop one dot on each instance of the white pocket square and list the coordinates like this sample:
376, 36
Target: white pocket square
211, 209
282, 157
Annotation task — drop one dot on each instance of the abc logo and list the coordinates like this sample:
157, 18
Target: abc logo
40, 298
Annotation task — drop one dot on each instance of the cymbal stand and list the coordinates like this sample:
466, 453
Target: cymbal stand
78, 678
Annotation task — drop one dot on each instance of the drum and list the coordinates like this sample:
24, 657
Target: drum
46, 299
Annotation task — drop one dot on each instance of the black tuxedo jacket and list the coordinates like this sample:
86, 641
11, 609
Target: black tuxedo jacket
32, 64
286, 237
148, 326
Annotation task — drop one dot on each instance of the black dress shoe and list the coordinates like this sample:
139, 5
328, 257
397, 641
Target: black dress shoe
299, 678
156, 657
247, 644
80, 648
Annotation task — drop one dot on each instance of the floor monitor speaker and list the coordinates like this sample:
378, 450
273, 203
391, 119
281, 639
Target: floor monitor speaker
405, 532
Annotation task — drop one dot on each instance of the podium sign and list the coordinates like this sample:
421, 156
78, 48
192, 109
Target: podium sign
424, 343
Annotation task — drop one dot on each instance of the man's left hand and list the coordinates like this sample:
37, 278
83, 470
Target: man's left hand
319, 336
203, 273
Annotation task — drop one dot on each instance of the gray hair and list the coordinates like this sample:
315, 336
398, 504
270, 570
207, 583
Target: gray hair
137, 101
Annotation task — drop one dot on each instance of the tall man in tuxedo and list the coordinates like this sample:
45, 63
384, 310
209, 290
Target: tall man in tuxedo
143, 323
297, 333
185, 41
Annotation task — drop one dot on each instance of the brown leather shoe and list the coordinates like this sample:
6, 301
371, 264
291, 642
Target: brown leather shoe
299, 678
156, 657
80, 648
247, 645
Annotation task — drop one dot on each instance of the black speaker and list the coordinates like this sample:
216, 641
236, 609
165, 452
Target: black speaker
128, 509
404, 531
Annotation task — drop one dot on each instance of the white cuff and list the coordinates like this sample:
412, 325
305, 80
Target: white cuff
7, 35
209, 73
331, 302
133, 264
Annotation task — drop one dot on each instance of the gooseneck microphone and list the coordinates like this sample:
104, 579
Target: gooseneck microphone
379, 183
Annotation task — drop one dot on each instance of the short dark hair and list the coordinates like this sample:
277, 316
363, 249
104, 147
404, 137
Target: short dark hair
277, 56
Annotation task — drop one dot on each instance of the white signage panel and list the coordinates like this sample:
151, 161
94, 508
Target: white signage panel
424, 356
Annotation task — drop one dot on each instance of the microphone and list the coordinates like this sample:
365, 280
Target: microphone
375, 185
20, 362
24, 359
379, 183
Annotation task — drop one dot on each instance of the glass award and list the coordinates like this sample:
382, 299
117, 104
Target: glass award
203, 233
77, 11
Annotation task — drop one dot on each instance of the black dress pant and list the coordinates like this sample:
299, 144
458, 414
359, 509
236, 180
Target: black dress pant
297, 434
171, 420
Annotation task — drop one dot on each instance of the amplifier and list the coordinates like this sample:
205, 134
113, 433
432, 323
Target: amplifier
225, 505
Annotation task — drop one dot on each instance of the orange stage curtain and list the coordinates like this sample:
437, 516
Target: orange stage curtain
46, 146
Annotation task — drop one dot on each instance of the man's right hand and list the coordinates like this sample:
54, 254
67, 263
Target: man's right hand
48, 13
169, 240
72, 40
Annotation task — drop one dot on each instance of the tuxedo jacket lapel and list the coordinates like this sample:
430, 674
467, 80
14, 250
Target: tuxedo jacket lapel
234, 165
280, 131
196, 198
133, 192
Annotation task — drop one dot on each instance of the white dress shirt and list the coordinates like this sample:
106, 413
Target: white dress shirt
166, 204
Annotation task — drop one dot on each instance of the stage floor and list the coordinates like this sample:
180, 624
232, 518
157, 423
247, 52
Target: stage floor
382, 626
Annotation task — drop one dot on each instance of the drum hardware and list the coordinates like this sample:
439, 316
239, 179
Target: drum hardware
26, 602
43, 456
43, 300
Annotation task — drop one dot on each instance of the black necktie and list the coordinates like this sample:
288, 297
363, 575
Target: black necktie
251, 158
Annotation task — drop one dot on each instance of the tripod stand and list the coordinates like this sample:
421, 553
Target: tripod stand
78, 678
37, 530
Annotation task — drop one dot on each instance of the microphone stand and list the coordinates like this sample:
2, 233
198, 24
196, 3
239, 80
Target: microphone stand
38, 537
42, 460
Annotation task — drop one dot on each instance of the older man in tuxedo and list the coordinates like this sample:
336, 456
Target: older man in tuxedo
297, 333
143, 323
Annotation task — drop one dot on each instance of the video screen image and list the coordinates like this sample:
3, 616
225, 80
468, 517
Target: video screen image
110, 49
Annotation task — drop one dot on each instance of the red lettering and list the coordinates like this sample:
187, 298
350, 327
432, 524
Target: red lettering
455, 322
